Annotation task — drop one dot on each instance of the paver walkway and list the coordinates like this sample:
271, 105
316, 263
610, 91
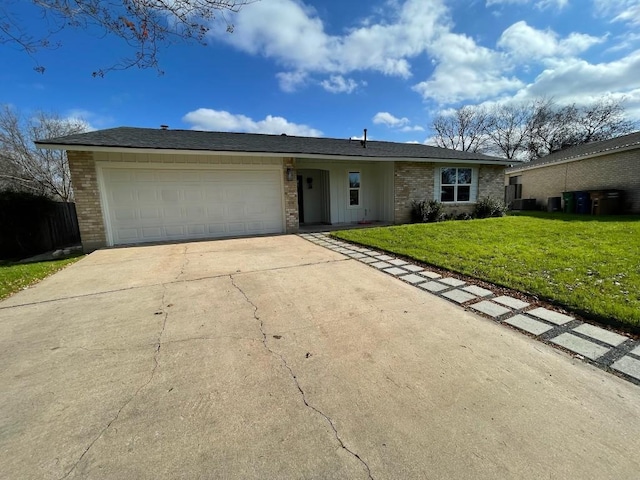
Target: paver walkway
605, 349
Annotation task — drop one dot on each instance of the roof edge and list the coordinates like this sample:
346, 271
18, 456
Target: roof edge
166, 151
586, 156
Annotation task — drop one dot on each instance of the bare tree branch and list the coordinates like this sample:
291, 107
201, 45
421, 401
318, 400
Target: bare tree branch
145, 25
25, 167
465, 129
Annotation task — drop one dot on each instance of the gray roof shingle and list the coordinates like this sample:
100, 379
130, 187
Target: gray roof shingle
587, 149
190, 140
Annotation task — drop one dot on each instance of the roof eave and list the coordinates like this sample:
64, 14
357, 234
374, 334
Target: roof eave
577, 158
166, 151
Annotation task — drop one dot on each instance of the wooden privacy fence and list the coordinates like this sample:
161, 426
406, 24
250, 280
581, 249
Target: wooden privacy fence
30, 225
61, 228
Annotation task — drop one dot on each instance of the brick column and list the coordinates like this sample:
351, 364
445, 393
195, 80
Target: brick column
87, 197
290, 196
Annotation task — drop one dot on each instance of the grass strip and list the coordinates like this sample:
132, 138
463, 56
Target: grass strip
588, 264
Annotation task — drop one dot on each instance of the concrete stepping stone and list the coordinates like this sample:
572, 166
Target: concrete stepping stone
458, 296
381, 265
528, 324
511, 302
489, 308
454, 282
395, 271
478, 291
370, 252
398, 262
357, 255
605, 336
579, 345
413, 268
368, 260
550, 316
433, 286
431, 275
412, 278
636, 351
344, 250
384, 258
628, 365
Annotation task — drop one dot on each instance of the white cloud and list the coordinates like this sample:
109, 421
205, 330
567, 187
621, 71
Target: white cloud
466, 71
391, 121
525, 42
339, 84
540, 4
578, 81
291, 33
630, 15
222, 121
627, 11
291, 81
414, 128
385, 118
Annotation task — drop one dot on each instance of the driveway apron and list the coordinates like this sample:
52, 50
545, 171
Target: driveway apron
276, 358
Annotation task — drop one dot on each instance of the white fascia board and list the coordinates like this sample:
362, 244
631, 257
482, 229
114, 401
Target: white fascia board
311, 156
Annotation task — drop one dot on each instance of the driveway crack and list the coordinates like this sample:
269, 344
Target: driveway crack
297, 383
185, 263
156, 354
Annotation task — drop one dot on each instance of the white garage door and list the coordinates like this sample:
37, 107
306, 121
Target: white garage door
147, 205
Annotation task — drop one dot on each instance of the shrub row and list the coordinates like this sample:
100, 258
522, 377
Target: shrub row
427, 211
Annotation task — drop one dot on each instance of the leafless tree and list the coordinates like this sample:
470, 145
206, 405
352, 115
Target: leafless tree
527, 131
24, 167
145, 25
465, 129
554, 127
510, 128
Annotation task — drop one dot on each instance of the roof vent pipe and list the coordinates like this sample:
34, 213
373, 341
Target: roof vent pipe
364, 142
164, 127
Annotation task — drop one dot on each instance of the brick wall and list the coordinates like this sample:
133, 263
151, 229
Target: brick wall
290, 196
411, 181
620, 171
491, 181
415, 181
88, 207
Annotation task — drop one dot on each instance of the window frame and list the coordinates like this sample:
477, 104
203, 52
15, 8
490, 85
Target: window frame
473, 185
350, 189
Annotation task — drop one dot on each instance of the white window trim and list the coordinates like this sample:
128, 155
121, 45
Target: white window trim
359, 189
473, 195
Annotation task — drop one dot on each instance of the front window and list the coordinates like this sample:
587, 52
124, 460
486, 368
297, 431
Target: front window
455, 184
354, 189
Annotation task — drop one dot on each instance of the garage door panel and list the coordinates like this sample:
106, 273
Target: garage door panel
150, 214
153, 204
237, 228
122, 214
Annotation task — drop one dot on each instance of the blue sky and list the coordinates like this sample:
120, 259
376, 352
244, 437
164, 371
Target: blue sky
332, 68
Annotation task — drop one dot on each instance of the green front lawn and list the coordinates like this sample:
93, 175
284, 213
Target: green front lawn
589, 264
15, 277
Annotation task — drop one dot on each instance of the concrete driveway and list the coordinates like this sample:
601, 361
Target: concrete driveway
275, 358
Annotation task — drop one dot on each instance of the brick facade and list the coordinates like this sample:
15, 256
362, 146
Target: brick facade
290, 196
619, 171
87, 197
491, 181
414, 181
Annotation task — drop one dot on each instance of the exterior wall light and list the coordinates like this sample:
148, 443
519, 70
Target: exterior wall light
290, 174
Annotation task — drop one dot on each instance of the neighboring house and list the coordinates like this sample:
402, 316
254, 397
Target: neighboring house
606, 165
136, 185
